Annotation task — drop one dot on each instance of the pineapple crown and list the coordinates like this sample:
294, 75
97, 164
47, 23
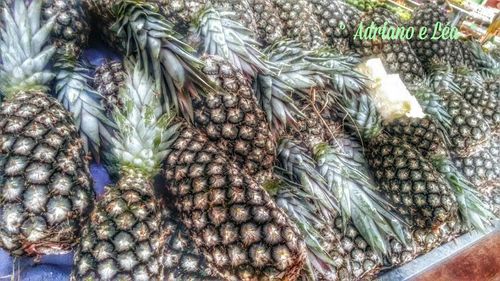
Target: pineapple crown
173, 63
24, 55
297, 165
339, 71
472, 210
485, 60
431, 102
219, 35
300, 71
274, 90
362, 116
442, 78
349, 179
299, 205
144, 132
75, 94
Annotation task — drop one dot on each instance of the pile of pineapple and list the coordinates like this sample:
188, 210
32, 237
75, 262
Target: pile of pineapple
248, 140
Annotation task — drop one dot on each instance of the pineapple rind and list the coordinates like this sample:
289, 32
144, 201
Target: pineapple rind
109, 79
239, 230
45, 184
71, 29
232, 119
123, 239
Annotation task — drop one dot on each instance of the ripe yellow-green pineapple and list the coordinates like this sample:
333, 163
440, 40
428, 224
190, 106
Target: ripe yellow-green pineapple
45, 185
232, 220
124, 239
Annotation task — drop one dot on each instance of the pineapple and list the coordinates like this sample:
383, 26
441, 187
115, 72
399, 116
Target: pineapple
180, 12
300, 23
340, 161
336, 249
429, 136
337, 20
474, 93
70, 35
270, 29
109, 79
493, 86
124, 239
408, 180
483, 167
430, 51
232, 118
232, 220
423, 133
468, 58
466, 129
469, 131
337, 179
71, 29
45, 185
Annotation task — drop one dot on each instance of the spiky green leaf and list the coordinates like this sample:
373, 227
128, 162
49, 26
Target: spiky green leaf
75, 94
24, 54
144, 133
472, 210
219, 35
173, 63
350, 181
